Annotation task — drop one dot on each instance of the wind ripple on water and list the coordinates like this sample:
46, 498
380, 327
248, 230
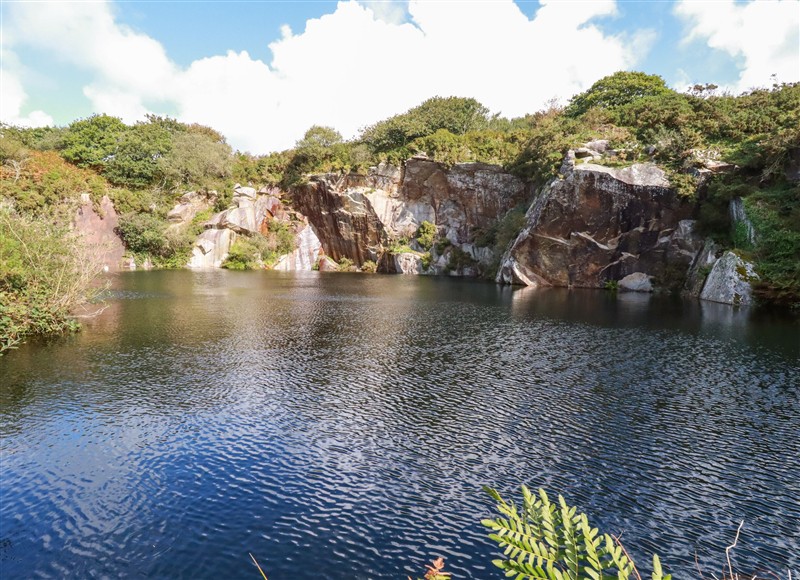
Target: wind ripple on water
345, 431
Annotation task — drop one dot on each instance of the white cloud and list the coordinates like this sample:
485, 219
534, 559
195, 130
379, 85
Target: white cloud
13, 96
347, 69
763, 35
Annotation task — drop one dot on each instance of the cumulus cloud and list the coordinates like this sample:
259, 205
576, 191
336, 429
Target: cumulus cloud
764, 36
362, 63
13, 95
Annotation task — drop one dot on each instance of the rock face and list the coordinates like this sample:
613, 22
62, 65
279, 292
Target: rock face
189, 205
307, 253
250, 215
729, 281
598, 224
740, 221
97, 230
211, 248
402, 263
343, 218
356, 216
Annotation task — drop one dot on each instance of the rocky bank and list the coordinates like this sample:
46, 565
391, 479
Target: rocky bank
594, 226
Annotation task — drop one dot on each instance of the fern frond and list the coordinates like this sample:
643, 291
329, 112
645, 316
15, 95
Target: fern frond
552, 541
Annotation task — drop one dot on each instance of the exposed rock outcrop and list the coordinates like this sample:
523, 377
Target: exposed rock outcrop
356, 216
598, 224
306, 254
98, 231
740, 221
402, 263
636, 282
250, 215
729, 281
189, 205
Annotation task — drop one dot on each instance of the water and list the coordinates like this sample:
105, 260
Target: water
341, 426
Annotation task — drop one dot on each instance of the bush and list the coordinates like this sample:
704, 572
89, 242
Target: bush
45, 181
46, 272
426, 235
257, 251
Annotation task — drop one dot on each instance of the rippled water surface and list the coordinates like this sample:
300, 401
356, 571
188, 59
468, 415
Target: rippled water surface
341, 426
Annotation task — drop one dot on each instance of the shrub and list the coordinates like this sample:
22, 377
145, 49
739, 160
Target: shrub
244, 255
369, 267
426, 235
46, 272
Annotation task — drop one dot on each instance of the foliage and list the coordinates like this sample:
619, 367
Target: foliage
549, 136
260, 251
135, 162
244, 255
616, 91
555, 542
369, 267
426, 235
194, 161
93, 141
775, 214
46, 181
37, 138
346, 265
458, 259
46, 272
455, 115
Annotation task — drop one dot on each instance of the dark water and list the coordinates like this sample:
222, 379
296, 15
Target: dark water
341, 426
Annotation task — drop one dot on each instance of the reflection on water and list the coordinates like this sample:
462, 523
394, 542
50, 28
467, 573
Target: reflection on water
341, 426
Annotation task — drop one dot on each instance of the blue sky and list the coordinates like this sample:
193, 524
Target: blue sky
263, 72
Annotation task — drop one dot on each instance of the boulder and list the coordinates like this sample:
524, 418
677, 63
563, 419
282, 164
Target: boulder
636, 282
242, 220
402, 263
326, 264
700, 269
729, 281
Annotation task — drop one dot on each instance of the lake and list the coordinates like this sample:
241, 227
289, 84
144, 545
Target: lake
342, 425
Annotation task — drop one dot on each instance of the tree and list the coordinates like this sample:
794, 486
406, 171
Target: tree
617, 90
195, 159
454, 114
135, 162
92, 142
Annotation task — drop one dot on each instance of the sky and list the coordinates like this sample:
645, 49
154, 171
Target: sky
263, 72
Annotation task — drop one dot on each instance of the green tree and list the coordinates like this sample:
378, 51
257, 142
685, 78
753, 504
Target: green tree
617, 90
135, 162
456, 115
92, 142
195, 160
